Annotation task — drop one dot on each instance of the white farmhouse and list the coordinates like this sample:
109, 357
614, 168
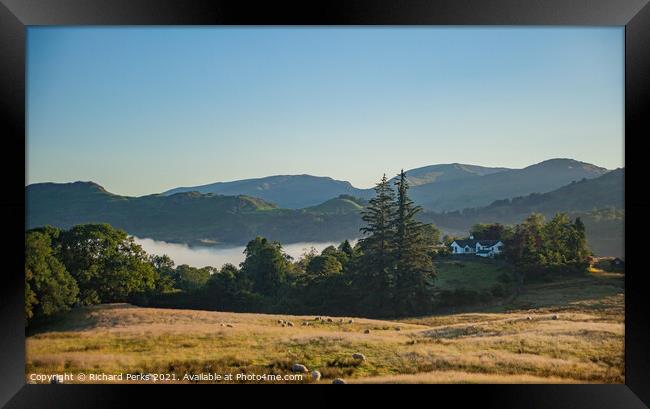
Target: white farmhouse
481, 248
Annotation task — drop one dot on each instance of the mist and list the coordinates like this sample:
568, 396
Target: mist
216, 256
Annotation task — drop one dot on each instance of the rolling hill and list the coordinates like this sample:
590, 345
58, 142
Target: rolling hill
446, 172
286, 191
481, 191
437, 187
599, 202
188, 217
339, 205
194, 217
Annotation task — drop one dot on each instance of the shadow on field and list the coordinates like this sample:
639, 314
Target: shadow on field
77, 319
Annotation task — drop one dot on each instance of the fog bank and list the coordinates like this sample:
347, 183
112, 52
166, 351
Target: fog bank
217, 256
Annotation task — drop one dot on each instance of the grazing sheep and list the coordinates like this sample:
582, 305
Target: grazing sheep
317, 319
289, 323
554, 317
366, 331
280, 321
284, 325
529, 318
223, 325
229, 325
350, 321
358, 356
330, 320
299, 368
338, 381
315, 376
398, 329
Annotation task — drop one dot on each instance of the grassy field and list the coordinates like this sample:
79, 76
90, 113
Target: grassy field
565, 331
469, 272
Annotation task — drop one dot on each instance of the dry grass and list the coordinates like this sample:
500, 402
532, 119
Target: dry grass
584, 343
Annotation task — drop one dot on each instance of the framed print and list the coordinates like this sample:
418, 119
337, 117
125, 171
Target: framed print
334, 193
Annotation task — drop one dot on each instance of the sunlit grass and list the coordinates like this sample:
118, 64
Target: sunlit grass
568, 331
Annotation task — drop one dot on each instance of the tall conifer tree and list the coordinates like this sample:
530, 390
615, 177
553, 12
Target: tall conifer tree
375, 266
414, 270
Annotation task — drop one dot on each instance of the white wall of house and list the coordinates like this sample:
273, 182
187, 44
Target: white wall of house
493, 250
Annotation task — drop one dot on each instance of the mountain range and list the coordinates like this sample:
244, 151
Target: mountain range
436, 187
600, 202
299, 208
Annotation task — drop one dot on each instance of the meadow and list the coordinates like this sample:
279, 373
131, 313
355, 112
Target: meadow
563, 330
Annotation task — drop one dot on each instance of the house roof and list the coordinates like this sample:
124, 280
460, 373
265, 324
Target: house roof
472, 242
464, 243
488, 243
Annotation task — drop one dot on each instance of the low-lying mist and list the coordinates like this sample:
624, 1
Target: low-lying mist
216, 256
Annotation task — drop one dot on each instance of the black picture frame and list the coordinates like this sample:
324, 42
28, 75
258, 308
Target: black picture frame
16, 15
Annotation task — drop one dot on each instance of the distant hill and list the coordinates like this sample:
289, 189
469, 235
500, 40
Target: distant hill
447, 172
286, 191
339, 205
436, 187
599, 201
188, 217
483, 190
193, 217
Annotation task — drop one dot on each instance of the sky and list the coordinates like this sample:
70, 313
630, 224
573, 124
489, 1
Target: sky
144, 110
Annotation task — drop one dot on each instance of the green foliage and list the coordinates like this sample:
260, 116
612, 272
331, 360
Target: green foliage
107, 265
49, 288
494, 231
538, 247
265, 265
413, 292
191, 278
324, 265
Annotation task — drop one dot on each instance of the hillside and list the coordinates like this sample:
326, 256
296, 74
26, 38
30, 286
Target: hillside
286, 191
339, 205
517, 342
437, 187
481, 191
189, 217
599, 202
446, 172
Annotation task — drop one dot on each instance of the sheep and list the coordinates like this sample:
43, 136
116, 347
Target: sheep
229, 325
350, 321
398, 329
554, 317
280, 321
359, 356
330, 320
299, 368
317, 319
315, 376
289, 323
284, 325
529, 318
223, 325
366, 331
338, 381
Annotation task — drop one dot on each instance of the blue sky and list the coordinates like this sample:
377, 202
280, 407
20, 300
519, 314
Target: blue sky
142, 110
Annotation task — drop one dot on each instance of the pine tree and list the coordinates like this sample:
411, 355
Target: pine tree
414, 270
375, 266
